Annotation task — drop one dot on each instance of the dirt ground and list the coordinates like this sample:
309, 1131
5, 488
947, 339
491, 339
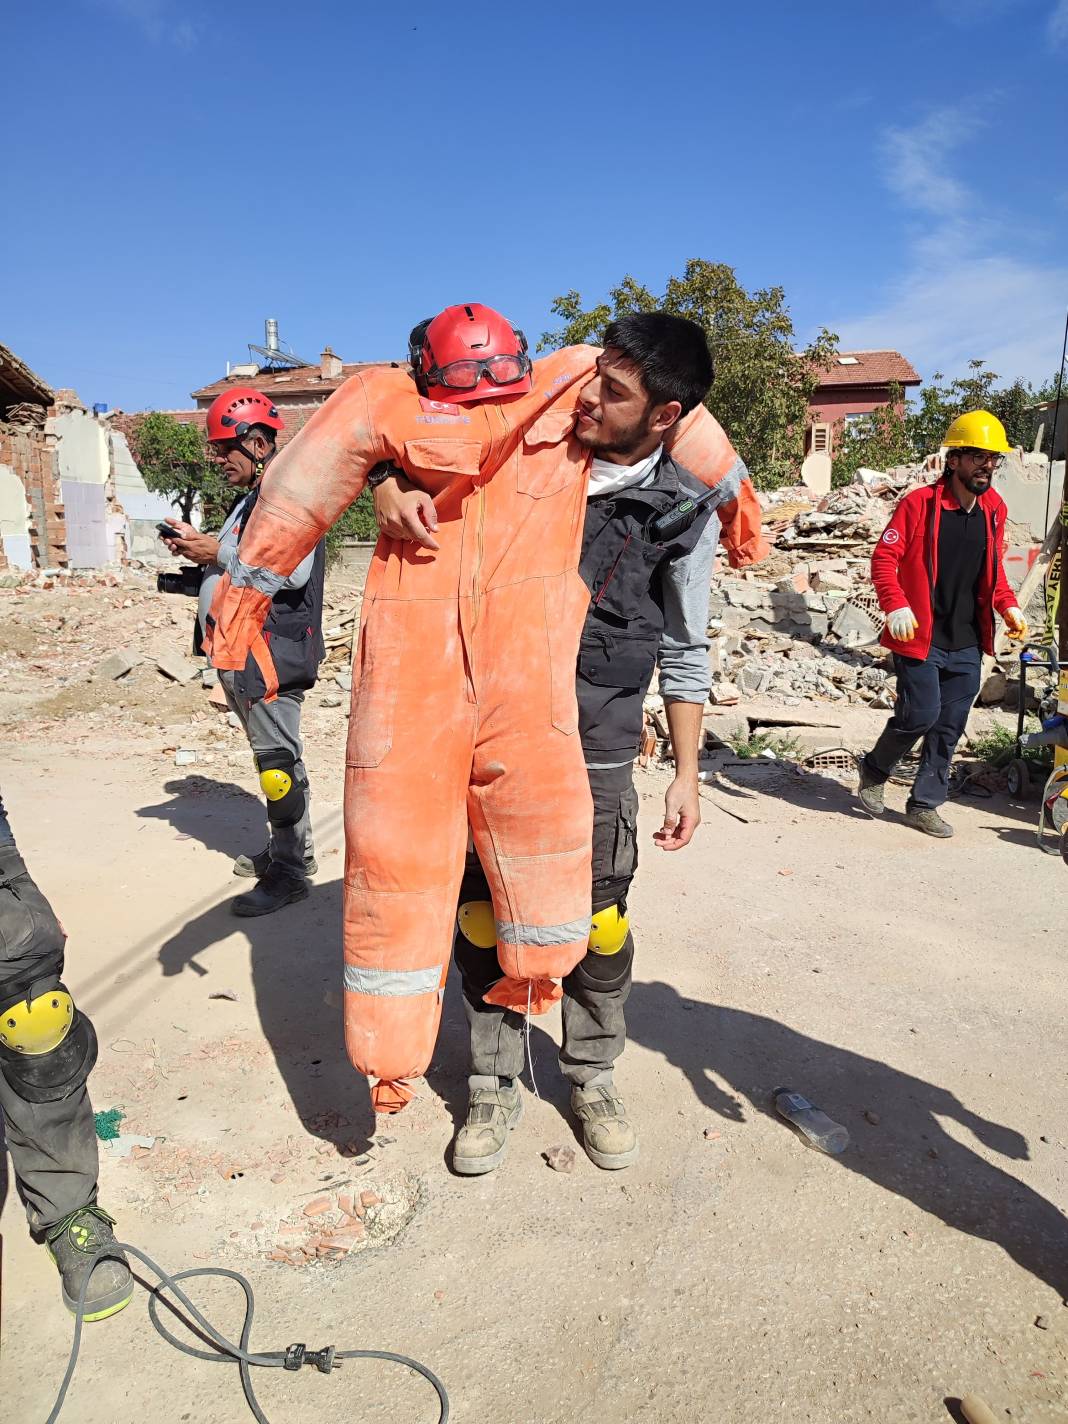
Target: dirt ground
916, 990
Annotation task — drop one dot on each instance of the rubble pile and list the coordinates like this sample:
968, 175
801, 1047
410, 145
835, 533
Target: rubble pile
778, 668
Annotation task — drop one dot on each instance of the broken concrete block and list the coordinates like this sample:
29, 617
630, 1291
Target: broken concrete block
178, 668
723, 694
830, 581
854, 626
185, 756
209, 677
217, 697
797, 582
117, 664
344, 679
749, 681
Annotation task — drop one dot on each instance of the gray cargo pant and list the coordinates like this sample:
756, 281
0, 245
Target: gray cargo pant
596, 991
52, 1145
275, 726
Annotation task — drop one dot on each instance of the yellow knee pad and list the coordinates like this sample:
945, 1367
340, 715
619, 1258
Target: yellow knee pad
476, 922
608, 930
37, 1025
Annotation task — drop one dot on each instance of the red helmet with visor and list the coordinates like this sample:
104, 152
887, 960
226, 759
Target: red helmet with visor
469, 353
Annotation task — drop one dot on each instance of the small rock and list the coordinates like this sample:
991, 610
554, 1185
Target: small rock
185, 756
873, 1117
712, 1133
1042, 1321
278, 1177
603, 1318
560, 1159
369, 1199
932, 1151
329, 701
209, 677
318, 1206
439, 1295
117, 664
344, 1203
178, 668
350, 1232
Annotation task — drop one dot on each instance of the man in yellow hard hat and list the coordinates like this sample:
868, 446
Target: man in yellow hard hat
939, 573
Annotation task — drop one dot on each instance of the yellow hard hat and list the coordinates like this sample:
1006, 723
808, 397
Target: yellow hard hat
977, 430
39, 1024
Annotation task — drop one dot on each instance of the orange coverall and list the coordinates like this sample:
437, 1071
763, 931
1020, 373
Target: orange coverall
463, 705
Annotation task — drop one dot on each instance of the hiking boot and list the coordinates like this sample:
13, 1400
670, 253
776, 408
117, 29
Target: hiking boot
927, 820
609, 1139
483, 1140
256, 865
278, 887
71, 1245
871, 792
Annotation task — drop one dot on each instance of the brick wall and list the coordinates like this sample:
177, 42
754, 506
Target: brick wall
32, 455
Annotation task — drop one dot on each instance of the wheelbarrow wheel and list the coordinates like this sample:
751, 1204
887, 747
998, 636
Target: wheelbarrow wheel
1018, 779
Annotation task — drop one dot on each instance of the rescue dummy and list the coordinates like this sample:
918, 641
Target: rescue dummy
464, 706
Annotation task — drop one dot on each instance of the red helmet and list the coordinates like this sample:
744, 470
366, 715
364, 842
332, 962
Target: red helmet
469, 353
232, 415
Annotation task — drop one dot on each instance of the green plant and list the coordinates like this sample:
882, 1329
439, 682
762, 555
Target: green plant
762, 387
998, 745
879, 440
174, 462
753, 744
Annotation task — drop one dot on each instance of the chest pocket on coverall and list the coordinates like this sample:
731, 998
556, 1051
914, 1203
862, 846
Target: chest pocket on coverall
542, 472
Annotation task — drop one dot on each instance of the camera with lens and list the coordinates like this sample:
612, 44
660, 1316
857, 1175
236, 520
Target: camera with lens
186, 580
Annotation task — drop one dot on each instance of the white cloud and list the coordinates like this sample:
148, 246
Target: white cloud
1057, 25
965, 289
158, 20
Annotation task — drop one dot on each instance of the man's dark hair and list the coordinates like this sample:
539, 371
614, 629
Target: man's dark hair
671, 353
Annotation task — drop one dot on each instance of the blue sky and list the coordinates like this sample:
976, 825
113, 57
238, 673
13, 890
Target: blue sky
189, 168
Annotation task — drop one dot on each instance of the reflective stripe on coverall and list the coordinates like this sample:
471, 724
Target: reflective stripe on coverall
463, 703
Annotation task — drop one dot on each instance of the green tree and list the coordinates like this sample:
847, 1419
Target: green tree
762, 386
174, 462
357, 522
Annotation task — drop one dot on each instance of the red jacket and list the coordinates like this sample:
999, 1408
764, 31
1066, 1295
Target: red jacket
904, 566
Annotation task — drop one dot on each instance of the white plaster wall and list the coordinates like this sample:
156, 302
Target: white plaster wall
14, 519
82, 448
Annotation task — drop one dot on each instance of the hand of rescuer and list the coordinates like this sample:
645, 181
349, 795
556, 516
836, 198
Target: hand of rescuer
404, 512
902, 624
682, 814
1015, 623
189, 543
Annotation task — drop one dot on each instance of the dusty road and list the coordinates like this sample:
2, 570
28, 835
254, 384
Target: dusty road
732, 1275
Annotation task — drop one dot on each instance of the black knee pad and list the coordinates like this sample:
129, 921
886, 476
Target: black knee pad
604, 973
47, 1045
286, 794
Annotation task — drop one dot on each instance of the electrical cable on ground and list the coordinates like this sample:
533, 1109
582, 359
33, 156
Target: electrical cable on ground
226, 1352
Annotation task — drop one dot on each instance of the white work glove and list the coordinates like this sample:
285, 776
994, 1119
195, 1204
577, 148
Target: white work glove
1015, 623
902, 624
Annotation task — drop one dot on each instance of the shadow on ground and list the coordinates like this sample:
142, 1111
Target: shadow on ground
220, 814
908, 1153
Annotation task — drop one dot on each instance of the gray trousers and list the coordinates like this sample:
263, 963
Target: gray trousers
52, 1145
275, 726
596, 991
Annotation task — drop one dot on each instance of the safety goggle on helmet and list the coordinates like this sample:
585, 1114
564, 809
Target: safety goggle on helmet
469, 353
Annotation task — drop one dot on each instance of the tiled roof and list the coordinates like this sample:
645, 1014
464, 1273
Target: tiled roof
293, 380
869, 368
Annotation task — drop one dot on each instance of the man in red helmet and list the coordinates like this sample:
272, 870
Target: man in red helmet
242, 426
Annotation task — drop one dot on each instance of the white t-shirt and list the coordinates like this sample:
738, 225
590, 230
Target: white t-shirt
605, 477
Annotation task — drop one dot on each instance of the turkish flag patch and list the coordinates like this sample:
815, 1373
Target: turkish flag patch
439, 407
891, 536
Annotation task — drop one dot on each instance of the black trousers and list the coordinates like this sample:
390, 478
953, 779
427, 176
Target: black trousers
934, 698
596, 991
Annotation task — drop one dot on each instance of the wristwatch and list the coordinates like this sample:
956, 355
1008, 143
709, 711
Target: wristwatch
385, 471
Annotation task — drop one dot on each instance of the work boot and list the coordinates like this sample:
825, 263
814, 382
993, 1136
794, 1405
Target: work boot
256, 865
927, 820
483, 1140
71, 1245
871, 792
278, 887
609, 1139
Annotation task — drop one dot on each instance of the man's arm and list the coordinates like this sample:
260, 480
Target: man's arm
685, 681
699, 443
304, 489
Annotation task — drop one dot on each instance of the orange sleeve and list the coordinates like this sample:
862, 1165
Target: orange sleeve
700, 443
304, 490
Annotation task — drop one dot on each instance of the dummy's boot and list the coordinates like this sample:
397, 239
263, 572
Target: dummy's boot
278, 887
872, 793
927, 820
71, 1245
609, 1139
483, 1140
256, 865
